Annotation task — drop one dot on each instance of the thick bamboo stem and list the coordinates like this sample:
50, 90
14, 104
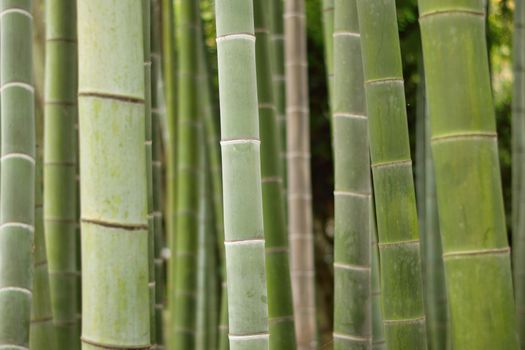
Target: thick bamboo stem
468, 182
353, 189
300, 225
243, 212
17, 182
280, 303
113, 175
397, 226
60, 160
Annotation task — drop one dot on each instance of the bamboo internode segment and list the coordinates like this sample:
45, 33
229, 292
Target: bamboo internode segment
299, 177
17, 183
392, 172
353, 197
280, 304
113, 176
468, 182
243, 211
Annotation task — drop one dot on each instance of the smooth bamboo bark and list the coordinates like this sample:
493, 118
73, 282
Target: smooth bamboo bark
113, 175
397, 226
353, 190
468, 182
276, 24
300, 225
17, 183
378, 328
243, 211
42, 334
328, 31
157, 112
60, 160
183, 308
280, 303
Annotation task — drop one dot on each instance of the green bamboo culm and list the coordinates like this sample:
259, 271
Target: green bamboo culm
243, 211
42, 335
157, 111
468, 182
328, 31
113, 175
300, 222
280, 303
276, 24
17, 183
353, 190
60, 159
378, 328
401, 287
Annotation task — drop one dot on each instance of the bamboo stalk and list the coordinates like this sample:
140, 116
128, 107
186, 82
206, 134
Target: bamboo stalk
378, 329
300, 226
464, 146
17, 182
60, 159
353, 190
402, 295
243, 212
328, 31
280, 303
113, 175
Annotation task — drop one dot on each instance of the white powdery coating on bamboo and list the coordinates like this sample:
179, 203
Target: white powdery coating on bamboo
30, 228
19, 156
350, 116
347, 34
18, 84
245, 242
237, 36
261, 336
352, 267
16, 289
352, 337
240, 142
18, 11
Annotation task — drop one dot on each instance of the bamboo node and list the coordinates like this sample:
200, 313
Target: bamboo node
394, 80
354, 338
352, 267
124, 226
255, 336
476, 252
28, 227
350, 115
103, 95
352, 194
240, 141
16, 10
236, 36
13, 347
281, 319
18, 84
41, 320
245, 242
458, 11
16, 289
420, 319
348, 34
465, 136
397, 244
272, 179
114, 347
393, 164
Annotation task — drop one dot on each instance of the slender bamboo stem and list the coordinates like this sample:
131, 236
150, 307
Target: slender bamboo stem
300, 225
402, 295
243, 212
468, 183
353, 189
60, 159
280, 303
113, 175
17, 182
378, 328
328, 31
185, 283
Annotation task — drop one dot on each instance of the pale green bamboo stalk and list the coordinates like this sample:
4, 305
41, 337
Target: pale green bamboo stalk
378, 328
243, 212
183, 308
42, 335
468, 183
353, 189
157, 111
300, 222
402, 294
17, 182
280, 303
115, 294
60, 159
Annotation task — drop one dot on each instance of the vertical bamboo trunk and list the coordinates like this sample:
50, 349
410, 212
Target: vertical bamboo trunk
276, 23
243, 211
60, 159
17, 182
420, 165
42, 335
157, 110
328, 31
378, 329
280, 303
300, 225
353, 190
468, 183
397, 226
113, 175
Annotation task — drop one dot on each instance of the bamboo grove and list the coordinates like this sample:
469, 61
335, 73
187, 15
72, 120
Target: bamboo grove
160, 185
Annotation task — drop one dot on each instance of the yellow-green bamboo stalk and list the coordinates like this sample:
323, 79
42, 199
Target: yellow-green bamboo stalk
115, 294
300, 225
468, 183
378, 329
17, 183
243, 212
401, 287
60, 159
